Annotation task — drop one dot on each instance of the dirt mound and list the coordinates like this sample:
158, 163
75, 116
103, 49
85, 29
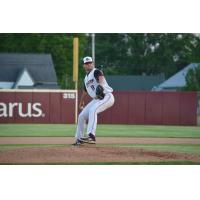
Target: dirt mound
88, 155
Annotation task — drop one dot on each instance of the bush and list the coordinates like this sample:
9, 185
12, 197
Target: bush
193, 79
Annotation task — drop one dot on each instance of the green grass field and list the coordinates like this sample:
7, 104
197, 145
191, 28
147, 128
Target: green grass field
102, 130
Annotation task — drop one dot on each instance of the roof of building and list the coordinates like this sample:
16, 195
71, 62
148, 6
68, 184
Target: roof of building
40, 86
134, 83
178, 79
40, 66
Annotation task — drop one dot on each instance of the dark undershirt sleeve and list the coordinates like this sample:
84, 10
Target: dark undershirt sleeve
84, 88
97, 73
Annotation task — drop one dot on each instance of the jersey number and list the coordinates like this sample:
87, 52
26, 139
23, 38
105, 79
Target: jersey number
93, 88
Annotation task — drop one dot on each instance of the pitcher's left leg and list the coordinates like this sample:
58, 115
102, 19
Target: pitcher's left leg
98, 107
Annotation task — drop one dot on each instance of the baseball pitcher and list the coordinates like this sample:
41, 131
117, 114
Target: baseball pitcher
95, 86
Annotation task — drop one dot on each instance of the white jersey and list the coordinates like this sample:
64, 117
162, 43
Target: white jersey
91, 84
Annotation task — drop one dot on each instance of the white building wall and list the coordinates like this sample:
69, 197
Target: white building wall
25, 80
6, 85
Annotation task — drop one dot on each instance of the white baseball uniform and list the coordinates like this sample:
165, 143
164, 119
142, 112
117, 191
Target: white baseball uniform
95, 106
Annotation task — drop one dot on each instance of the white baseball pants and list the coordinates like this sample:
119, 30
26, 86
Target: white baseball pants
90, 113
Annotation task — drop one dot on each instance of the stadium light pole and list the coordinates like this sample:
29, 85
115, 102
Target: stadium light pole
93, 47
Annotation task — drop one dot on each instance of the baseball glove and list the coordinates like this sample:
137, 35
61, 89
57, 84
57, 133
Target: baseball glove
99, 92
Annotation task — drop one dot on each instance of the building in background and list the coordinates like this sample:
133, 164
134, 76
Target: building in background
27, 71
177, 81
134, 83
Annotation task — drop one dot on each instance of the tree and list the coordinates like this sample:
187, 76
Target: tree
150, 53
59, 45
193, 79
120, 53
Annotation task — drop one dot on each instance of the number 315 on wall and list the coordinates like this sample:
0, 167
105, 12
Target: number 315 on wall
69, 95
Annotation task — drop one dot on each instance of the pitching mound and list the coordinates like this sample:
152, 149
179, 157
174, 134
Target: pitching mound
74, 155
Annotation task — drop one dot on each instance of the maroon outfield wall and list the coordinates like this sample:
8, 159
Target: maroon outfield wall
162, 108
26, 106
156, 108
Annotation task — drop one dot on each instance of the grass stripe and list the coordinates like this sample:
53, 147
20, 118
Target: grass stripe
102, 130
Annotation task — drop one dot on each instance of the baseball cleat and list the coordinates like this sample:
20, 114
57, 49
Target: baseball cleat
90, 139
78, 143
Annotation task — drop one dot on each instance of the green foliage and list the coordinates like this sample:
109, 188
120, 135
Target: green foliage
193, 79
59, 45
151, 53
120, 53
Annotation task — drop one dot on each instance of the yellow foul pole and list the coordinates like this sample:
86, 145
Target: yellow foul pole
75, 72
